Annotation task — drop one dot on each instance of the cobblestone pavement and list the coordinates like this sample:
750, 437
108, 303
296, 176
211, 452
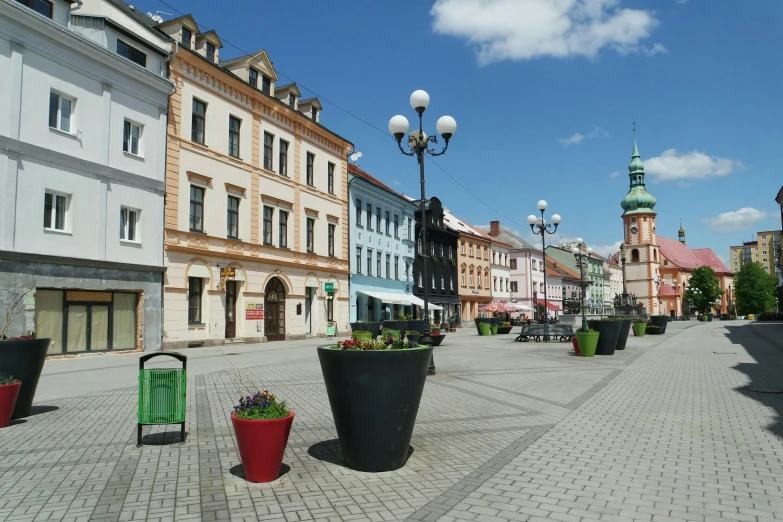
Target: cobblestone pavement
684, 426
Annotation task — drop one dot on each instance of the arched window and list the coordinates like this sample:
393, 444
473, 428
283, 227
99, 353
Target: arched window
655, 254
634, 256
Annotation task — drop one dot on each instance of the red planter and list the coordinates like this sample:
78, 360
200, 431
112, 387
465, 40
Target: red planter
8, 395
261, 446
575, 342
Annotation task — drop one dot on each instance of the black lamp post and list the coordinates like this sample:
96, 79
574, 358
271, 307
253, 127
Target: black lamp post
582, 264
625, 298
658, 283
541, 227
418, 145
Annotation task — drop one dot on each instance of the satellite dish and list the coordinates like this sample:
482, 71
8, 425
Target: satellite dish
355, 156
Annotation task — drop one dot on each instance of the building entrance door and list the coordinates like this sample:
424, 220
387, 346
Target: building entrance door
274, 310
309, 310
88, 327
231, 309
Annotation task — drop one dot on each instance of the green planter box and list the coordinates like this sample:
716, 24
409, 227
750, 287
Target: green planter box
588, 342
493, 329
484, 328
639, 329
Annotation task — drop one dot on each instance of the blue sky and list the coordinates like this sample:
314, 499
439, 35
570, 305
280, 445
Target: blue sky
544, 93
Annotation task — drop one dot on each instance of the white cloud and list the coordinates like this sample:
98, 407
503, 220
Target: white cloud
607, 250
578, 137
672, 165
657, 48
526, 29
736, 220
614, 174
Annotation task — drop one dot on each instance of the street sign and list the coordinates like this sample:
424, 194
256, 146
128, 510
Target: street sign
330, 329
329, 287
228, 271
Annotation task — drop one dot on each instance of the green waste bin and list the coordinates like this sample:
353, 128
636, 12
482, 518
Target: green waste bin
162, 394
484, 328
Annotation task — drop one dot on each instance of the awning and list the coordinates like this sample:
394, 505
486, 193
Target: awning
553, 306
399, 299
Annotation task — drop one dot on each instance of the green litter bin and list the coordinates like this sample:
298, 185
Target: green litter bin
484, 328
162, 394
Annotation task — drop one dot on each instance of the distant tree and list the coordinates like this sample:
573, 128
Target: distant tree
703, 279
754, 289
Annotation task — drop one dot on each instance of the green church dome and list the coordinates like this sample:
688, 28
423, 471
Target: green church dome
637, 200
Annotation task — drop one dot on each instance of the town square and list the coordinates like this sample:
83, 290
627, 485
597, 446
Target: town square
457, 260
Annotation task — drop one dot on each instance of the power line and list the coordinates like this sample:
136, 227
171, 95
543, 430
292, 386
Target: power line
349, 113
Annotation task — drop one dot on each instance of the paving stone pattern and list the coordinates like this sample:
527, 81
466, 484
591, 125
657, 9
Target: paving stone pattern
667, 430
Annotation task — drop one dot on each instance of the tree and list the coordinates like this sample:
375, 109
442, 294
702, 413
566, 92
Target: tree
703, 289
754, 289
12, 297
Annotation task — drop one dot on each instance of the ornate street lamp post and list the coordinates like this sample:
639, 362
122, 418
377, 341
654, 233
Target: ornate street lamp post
540, 226
418, 146
658, 292
625, 298
582, 264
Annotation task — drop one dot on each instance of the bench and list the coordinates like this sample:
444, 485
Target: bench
563, 333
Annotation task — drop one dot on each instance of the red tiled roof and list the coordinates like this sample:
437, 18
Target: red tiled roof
709, 258
356, 171
666, 291
678, 253
560, 270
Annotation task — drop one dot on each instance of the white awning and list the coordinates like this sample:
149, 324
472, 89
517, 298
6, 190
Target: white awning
420, 302
399, 299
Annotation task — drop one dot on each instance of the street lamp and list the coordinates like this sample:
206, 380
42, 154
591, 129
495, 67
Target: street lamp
418, 145
582, 265
658, 283
540, 226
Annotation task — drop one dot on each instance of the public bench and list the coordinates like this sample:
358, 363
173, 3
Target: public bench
561, 332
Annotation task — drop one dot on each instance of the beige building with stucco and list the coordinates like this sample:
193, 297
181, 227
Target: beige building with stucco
473, 266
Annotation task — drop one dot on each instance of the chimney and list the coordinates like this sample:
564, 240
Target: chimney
494, 228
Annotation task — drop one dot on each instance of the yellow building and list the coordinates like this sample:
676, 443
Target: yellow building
765, 250
473, 266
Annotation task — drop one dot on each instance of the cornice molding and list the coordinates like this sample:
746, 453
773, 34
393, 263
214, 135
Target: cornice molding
199, 177
236, 188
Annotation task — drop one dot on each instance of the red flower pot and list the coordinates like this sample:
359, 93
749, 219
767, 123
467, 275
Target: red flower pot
261, 446
8, 395
575, 342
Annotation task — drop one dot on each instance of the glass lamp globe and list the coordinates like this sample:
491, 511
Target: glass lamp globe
532, 220
542, 205
575, 251
398, 125
589, 251
446, 127
420, 100
556, 219
579, 241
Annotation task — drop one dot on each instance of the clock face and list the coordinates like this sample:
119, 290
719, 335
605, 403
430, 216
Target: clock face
634, 230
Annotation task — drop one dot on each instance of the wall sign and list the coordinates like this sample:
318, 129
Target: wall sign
329, 287
228, 271
254, 311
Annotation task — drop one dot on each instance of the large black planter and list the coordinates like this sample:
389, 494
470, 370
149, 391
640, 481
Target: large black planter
402, 326
660, 320
479, 320
625, 329
610, 332
437, 339
24, 360
496, 321
374, 328
375, 397
504, 329
419, 325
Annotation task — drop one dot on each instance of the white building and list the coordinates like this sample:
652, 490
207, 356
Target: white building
82, 170
500, 264
613, 267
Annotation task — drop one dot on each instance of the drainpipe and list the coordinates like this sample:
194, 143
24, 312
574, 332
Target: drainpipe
168, 60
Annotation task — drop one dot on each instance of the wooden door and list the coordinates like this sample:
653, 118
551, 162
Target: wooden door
231, 309
274, 310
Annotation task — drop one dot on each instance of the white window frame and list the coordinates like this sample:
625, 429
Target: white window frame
125, 224
127, 141
66, 213
71, 117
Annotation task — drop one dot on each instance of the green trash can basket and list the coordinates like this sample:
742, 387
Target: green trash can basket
162, 393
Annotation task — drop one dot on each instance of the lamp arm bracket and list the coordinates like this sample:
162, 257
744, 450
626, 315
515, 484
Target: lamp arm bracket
399, 144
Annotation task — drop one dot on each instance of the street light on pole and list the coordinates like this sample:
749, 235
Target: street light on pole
582, 265
418, 146
539, 226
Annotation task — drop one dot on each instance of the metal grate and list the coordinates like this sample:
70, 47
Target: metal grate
162, 396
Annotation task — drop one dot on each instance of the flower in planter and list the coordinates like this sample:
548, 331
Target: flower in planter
7, 379
261, 406
388, 343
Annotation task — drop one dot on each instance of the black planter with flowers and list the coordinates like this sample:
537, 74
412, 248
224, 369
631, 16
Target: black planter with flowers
24, 358
374, 390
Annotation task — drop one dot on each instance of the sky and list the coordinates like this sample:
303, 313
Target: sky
545, 94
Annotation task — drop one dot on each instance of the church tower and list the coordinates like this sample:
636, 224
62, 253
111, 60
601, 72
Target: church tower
644, 257
681, 233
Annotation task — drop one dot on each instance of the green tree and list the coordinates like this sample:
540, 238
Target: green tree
703, 289
754, 289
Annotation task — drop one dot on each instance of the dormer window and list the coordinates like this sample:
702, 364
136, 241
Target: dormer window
292, 100
211, 52
187, 36
266, 85
314, 113
252, 78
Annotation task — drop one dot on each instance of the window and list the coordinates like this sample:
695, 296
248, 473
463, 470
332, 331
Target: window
196, 209
513, 264
451, 253
269, 141
388, 266
331, 239
463, 277
195, 289
292, 100
252, 77
387, 215
369, 216
535, 286
310, 166
471, 277
129, 220
268, 212
330, 178
378, 219
764, 260
419, 245
233, 136
283, 165
513, 286
421, 280
495, 283
634, 256
60, 112
369, 262
131, 53
131, 133
358, 212
410, 229
266, 85
211, 52
433, 281
432, 248
462, 248
763, 244
282, 217
397, 268
486, 279
198, 120
451, 282
486, 255
55, 211
442, 282
314, 113
358, 260
43, 7
187, 37
478, 277
310, 234
441, 249
378, 264
763, 237
764, 252
470, 249
396, 225
232, 217
534, 264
